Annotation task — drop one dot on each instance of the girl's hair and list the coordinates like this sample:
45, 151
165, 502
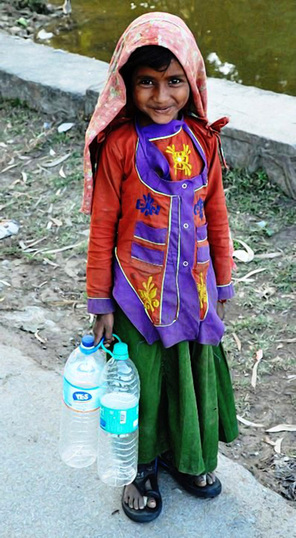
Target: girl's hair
153, 56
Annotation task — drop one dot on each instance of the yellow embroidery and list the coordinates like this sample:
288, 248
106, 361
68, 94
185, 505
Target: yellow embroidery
180, 158
148, 295
202, 291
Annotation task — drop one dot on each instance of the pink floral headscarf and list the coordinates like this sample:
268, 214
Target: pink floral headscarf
160, 29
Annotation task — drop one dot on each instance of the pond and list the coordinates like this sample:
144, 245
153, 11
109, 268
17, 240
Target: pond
248, 41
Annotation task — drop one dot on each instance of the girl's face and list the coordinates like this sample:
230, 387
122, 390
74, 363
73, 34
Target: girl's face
160, 95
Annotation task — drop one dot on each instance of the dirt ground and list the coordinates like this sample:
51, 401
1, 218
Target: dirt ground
42, 281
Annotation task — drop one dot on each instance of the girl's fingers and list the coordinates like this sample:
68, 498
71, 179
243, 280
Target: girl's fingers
103, 326
98, 336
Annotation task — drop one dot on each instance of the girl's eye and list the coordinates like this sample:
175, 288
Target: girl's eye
146, 82
175, 80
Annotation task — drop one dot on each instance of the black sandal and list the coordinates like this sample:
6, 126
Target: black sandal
187, 481
145, 473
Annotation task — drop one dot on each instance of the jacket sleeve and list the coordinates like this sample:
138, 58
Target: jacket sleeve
103, 229
218, 228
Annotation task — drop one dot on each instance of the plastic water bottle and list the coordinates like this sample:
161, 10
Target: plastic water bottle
81, 400
118, 432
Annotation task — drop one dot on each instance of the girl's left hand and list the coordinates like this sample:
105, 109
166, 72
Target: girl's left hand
221, 310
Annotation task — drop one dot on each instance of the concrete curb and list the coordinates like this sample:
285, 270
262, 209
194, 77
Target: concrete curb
262, 129
45, 78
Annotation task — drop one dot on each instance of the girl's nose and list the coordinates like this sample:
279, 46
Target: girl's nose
161, 93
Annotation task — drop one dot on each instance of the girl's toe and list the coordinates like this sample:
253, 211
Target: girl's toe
151, 503
201, 480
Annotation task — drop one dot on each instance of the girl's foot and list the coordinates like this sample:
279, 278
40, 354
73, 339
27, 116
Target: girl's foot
205, 486
203, 480
141, 500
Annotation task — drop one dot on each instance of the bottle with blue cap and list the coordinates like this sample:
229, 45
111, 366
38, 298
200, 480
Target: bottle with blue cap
118, 432
81, 402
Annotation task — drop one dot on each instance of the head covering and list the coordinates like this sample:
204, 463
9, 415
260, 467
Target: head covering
160, 29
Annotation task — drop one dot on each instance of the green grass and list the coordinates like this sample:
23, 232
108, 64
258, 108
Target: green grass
252, 198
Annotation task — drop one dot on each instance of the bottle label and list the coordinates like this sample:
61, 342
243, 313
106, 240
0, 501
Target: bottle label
80, 399
121, 420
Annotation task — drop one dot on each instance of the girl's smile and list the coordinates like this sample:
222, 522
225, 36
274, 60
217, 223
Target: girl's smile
160, 95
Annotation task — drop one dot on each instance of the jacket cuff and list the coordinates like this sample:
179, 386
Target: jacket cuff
225, 292
100, 306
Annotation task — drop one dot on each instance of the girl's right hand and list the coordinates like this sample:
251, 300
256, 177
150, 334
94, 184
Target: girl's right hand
103, 326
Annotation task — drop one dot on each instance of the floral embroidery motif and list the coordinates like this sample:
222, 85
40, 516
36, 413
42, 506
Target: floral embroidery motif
199, 208
148, 295
147, 205
202, 291
180, 158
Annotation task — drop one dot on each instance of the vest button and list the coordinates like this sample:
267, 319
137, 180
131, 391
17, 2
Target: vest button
185, 263
185, 225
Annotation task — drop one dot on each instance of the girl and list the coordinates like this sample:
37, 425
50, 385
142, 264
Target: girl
159, 260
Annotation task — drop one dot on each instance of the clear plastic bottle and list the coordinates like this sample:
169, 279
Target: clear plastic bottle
118, 432
80, 408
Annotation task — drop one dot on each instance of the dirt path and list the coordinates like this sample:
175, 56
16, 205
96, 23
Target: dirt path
42, 281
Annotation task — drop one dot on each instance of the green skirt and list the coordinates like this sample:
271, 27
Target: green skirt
186, 399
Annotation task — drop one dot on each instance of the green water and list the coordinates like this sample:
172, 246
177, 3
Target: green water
248, 41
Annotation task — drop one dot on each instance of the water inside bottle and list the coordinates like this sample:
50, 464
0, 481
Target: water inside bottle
119, 400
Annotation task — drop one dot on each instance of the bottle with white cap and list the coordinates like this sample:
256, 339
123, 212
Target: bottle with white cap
81, 401
118, 432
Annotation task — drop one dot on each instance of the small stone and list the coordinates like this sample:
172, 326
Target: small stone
14, 30
178, 490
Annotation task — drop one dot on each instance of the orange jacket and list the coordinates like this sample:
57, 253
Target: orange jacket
136, 219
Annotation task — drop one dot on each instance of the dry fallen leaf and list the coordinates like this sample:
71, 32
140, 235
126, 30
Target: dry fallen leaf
259, 356
287, 341
268, 255
237, 341
34, 242
282, 428
268, 441
291, 378
8, 168
248, 422
49, 262
22, 245
57, 222
42, 340
266, 291
244, 255
62, 173
64, 127
24, 176
55, 250
12, 185
5, 283
277, 446
246, 277
55, 162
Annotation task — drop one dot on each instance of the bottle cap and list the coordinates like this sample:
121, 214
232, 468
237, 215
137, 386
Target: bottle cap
120, 351
88, 340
